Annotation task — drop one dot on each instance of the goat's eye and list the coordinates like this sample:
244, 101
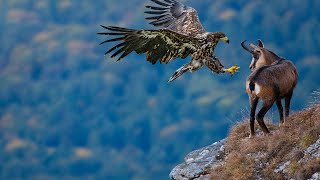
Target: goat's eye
256, 56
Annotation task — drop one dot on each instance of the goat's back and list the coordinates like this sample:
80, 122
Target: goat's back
280, 78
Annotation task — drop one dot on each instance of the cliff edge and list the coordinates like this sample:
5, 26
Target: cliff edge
289, 152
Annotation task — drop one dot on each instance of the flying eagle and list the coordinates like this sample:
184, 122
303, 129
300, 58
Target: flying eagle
180, 35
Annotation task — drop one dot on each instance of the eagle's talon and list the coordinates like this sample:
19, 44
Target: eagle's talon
232, 70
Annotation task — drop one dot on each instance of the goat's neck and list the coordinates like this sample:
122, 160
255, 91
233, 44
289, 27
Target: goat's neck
272, 57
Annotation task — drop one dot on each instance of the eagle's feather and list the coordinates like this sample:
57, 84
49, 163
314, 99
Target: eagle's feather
175, 16
163, 45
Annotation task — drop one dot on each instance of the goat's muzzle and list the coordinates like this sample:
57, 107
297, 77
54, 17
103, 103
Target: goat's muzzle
251, 67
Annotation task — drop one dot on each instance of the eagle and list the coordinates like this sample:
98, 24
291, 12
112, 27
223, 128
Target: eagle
180, 35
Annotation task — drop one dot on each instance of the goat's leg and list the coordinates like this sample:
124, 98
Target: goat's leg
265, 108
280, 109
287, 104
253, 104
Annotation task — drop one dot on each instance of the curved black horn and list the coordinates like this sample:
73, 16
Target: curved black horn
245, 47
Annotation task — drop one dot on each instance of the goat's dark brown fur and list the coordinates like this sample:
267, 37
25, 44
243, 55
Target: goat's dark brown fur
273, 78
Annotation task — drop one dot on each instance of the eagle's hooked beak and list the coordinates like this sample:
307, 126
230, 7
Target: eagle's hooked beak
225, 39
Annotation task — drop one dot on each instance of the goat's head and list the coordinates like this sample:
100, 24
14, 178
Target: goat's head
260, 55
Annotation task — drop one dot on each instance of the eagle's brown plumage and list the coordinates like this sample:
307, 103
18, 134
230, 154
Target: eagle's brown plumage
163, 45
181, 35
175, 16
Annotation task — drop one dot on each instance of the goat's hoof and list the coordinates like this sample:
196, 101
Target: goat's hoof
251, 136
281, 124
267, 134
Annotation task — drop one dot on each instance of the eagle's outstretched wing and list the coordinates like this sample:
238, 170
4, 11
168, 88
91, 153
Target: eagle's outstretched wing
163, 44
173, 15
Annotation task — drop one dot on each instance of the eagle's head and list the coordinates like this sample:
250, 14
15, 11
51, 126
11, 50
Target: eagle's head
219, 36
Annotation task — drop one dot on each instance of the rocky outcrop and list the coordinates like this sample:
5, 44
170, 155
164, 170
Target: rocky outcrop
289, 152
199, 162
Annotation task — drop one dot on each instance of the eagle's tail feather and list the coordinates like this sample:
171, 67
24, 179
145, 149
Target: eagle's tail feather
179, 72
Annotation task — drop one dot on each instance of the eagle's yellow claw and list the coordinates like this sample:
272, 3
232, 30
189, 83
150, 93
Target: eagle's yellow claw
232, 70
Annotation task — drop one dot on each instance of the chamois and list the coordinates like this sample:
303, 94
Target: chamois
273, 78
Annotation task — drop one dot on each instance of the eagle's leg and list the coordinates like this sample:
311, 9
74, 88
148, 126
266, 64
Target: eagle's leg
180, 71
214, 65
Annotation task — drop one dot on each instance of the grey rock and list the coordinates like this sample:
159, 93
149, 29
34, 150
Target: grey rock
314, 149
282, 167
315, 176
198, 162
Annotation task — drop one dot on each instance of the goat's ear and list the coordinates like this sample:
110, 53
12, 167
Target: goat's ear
260, 43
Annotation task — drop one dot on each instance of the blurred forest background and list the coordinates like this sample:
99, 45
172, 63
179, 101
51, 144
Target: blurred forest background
68, 112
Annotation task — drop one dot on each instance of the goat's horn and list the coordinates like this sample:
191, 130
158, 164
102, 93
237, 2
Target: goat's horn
245, 47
